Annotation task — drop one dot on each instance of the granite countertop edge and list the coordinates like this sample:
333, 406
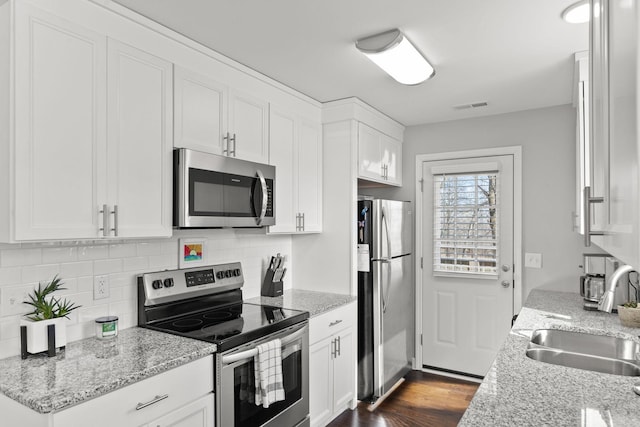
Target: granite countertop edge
82, 353
315, 302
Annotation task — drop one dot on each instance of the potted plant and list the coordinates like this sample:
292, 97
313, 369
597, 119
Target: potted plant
629, 314
47, 310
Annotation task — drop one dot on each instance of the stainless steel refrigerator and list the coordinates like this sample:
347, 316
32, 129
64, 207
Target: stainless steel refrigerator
386, 320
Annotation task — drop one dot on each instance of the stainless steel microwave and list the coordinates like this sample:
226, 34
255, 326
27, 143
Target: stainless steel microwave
217, 191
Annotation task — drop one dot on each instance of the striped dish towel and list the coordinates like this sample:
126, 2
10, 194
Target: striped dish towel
268, 373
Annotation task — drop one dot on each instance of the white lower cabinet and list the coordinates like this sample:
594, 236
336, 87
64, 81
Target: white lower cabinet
332, 361
179, 397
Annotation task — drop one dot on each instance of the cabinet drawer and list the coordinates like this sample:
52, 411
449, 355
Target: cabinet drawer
182, 385
329, 323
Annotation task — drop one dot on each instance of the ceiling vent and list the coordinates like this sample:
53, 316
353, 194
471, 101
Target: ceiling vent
472, 105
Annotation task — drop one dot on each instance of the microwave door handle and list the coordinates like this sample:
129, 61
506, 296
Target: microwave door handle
265, 195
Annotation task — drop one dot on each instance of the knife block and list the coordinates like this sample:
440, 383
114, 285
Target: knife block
271, 288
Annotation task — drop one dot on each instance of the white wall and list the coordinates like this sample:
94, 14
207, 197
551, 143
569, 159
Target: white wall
22, 266
547, 137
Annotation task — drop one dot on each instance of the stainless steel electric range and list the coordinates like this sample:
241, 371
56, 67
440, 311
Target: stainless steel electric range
205, 303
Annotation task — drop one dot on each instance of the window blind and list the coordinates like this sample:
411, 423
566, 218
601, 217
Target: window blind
466, 219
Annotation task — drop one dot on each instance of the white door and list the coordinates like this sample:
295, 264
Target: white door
199, 413
467, 283
369, 165
282, 128
139, 142
308, 186
249, 124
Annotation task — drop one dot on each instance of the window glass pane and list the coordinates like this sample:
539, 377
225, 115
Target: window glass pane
465, 225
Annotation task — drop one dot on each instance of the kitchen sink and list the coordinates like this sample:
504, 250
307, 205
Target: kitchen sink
599, 353
595, 345
584, 361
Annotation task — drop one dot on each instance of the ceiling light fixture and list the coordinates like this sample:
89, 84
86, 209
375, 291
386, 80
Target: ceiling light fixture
395, 54
577, 13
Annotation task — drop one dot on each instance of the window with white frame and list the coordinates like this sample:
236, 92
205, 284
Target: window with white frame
465, 228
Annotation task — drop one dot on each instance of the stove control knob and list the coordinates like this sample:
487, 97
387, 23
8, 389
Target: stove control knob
236, 272
220, 274
168, 283
156, 284
227, 273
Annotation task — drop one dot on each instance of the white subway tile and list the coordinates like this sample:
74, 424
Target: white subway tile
169, 247
137, 264
85, 284
151, 248
12, 298
10, 276
76, 269
163, 262
123, 250
9, 328
93, 252
40, 273
122, 279
59, 255
10, 347
89, 314
20, 257
106, 266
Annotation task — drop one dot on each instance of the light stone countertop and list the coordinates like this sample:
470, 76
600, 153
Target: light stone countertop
312, 301
90, 367
518, 391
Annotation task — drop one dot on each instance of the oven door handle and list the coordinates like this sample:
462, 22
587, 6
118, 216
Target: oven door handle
247, 354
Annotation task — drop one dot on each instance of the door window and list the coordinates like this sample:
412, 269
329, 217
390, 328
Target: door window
465, 228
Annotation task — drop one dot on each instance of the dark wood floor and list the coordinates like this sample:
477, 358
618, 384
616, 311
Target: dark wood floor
422, 400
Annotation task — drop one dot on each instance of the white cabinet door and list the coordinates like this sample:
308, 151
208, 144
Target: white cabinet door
139, 142
320, 382
369, 161
196, 414
60, 133
309, 173
283, 136
392, 159
200, 112
249, 125
343, 371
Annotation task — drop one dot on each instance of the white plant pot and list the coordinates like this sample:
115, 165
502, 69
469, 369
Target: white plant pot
37, 338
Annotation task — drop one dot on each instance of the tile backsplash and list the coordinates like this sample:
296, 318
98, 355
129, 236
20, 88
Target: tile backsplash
22, 266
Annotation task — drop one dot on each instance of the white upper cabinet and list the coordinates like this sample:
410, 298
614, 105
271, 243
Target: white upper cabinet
248, 127
379, 156
60, 127
200, 112
214, 118
93, 134
139, 145
614, 133
296, 152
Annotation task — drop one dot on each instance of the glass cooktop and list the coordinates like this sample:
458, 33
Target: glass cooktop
232, 325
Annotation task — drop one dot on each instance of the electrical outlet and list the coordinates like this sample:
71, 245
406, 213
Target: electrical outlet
532, 260
100, 287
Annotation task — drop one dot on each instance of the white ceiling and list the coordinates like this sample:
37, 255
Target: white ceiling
514, 54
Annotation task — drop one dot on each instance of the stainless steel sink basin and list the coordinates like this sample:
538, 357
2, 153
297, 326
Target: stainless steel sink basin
584, 361
595, 345
597, 353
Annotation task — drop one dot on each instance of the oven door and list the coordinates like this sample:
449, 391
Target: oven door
235, 403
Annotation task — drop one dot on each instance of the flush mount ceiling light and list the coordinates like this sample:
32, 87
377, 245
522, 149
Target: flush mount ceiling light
577, 13
395, 54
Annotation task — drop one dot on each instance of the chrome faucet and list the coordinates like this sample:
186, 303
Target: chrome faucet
606, 302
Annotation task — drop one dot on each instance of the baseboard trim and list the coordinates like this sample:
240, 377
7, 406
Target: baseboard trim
452, 374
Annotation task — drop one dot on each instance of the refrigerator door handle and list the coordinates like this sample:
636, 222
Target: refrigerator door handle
387, 260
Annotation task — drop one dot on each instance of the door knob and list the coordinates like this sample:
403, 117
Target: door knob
506, 283
505, 267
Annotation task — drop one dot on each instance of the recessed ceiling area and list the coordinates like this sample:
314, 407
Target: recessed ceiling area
513, 54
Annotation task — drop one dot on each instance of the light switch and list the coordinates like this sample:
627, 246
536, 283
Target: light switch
532, 260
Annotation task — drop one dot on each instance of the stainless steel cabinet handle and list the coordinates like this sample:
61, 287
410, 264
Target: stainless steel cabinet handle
115, 220
339, 347
333, 349
335, 323
298, 222
303, 221
506, 283
233, 139
226, 149
587, 202
156, 399
105, 220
